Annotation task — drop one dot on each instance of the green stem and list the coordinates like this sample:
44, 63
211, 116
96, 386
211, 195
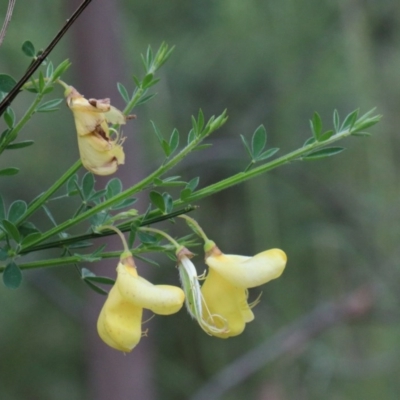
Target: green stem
124, 227
47, 194
162, 233
119, 197
57, 262
27, 116
244, 176
194, 225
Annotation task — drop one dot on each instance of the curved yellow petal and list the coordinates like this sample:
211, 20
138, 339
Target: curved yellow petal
248, 272
119, 323
161, 299
225, 306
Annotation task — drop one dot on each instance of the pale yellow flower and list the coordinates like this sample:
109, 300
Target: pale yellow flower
120, 320
225, 288
100, 153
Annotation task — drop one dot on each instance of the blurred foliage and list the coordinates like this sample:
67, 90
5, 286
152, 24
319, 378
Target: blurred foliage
274, 63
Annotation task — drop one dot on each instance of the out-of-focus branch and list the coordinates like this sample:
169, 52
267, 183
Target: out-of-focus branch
7, 19
287, 341
41, 57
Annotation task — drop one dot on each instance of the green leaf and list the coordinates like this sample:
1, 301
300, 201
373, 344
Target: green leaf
203, 146
168, 202
9, 171
99, 218
95, 288
114, 187
157, 132
316, 126
166, 148
267, 154
90, 276
17, 210
132, 234
258, 141
349, 120
97, 195
49, 106
146, 238
325, 136
32, 237
145, 99
200, 120
310, 140
336, 120
193, 183
123, 92
71, 185
11, 230
147, 260
26, 228
246, 146
61, 69
12, 276
185, 193
49, 70
191, 136
87, 185
20, 145
124, 203
42, 82
329, 151
7, 83
157, 200
174, 141
28, 48
9, 117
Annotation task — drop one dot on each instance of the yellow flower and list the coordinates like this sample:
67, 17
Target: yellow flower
225, 288
120, 320
100, 153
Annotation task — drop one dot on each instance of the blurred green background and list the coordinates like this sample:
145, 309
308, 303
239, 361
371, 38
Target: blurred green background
272, 62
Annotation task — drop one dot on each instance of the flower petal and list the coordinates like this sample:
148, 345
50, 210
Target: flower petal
120, 322
161, 299
248, 272
225, 306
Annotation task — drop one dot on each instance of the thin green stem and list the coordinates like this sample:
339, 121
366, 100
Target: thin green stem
118, 232
194, 225
26, 117
47, 194
244, 176
119, 197
162, 233
57, 262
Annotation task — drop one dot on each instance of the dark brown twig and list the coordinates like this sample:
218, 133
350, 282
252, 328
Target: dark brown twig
40, 58
288, 340
7, 19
